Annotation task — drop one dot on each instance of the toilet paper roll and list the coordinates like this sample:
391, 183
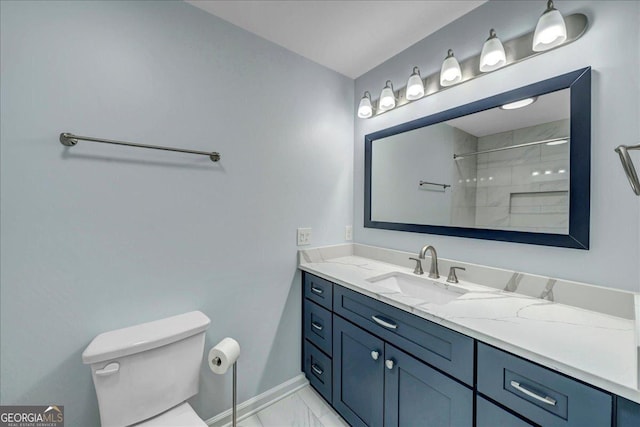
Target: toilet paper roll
223, 355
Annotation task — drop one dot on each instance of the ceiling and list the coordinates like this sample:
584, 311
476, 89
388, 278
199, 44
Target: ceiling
547, 108
350, 37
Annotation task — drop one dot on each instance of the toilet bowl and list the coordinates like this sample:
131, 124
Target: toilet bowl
144, 374
182, 415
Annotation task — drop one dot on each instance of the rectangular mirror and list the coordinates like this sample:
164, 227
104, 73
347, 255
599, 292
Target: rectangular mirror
512, 167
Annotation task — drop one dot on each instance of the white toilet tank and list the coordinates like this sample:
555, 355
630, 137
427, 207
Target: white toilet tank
143, 370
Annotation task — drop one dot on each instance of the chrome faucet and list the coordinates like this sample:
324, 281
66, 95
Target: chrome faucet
433, 271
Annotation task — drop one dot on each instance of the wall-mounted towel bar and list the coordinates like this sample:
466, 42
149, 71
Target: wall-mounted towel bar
627, 164
69, 140
444, 186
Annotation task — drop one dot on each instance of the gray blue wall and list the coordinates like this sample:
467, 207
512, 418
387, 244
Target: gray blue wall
100, 237
610, 46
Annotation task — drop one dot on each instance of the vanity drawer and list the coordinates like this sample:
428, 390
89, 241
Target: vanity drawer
442, 348
490, 415
318, 290
318, 326
539, 394
317, 367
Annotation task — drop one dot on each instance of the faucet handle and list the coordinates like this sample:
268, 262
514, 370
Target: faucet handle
452, 274
418, 270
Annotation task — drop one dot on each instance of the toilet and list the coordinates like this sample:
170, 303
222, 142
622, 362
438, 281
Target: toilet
144, 374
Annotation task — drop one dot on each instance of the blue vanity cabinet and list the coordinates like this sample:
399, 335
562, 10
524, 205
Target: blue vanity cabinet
446, 350
380, 366
539, 394
628, 413
358, 375
376, 384
317, 334
416, 395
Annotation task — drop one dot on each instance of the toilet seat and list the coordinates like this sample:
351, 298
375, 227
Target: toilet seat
182, 415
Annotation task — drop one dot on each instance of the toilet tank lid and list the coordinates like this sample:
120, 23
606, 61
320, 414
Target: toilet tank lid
145, 336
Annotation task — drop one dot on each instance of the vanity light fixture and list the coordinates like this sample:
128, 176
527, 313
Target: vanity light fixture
365, 110
387, 97
415, 87
551, 30
450, 72
557, 142
492, 56
519, 104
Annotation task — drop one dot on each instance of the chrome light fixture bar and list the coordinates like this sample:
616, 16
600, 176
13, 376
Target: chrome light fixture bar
516, 50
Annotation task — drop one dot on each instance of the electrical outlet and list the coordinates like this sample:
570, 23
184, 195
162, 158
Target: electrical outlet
348, 233
304, 236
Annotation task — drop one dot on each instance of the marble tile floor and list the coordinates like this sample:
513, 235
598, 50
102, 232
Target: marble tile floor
304, 408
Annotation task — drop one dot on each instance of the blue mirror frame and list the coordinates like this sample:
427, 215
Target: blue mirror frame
579, 82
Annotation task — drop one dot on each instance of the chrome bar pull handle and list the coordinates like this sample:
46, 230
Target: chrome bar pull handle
317, 326
389, 364
384, 322
546, 399
317, 290
375, 354
317, 370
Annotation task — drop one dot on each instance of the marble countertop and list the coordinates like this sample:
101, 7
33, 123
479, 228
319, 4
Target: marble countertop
597, 348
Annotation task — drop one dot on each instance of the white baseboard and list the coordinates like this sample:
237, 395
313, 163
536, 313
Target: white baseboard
259, 402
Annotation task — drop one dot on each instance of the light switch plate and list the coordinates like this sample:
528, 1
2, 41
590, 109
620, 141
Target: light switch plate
348, 233
304, 236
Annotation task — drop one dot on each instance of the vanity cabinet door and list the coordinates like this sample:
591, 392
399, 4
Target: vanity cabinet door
489, 415
358, 375
418, 395
628, 413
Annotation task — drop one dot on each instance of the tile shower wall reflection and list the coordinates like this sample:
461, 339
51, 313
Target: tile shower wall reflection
524, 189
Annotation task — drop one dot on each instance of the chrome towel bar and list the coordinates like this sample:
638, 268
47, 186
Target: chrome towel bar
69, 140
627, 164
444, 186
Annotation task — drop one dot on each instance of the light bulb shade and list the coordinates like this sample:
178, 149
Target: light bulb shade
415, 87
450, 72
387, 98
519, 104
365, 110
551, 30
492, 56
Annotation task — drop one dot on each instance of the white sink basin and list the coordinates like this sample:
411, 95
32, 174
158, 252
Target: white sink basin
419, 287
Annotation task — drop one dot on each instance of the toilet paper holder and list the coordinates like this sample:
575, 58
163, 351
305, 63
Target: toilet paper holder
217, 361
